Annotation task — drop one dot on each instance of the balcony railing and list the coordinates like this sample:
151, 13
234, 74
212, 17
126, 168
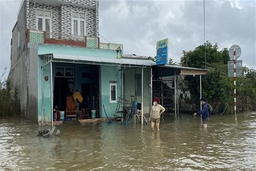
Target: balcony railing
65, 39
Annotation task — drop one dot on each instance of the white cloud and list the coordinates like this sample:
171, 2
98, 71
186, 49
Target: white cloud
227, 22
8, 17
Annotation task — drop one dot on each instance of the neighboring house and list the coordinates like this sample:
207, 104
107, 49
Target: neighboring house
55, 49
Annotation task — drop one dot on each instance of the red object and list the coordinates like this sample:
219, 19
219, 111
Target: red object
156, 99
58, 115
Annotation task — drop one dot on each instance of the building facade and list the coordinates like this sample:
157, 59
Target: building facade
56, 50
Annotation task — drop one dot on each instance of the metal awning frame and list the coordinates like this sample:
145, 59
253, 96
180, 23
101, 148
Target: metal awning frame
50, 58
182, 71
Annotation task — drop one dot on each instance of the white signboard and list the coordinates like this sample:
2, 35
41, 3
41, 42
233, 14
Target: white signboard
239, 68
234, 52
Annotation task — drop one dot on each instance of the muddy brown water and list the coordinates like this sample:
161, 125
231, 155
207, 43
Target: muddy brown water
181, 144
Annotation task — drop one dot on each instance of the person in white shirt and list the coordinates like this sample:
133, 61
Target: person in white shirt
155, 114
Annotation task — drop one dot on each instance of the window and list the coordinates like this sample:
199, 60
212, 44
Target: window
67, 72
78, 24
113, 92
44, 20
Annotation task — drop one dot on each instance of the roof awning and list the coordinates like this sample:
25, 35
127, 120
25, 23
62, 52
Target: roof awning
101, 60
192, 72
167, 70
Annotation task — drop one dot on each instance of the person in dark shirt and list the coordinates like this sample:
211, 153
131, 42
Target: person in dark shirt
204, 112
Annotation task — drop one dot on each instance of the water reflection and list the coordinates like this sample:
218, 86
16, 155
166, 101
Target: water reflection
179, 145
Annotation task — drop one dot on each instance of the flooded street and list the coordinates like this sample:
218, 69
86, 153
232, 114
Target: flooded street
180, 145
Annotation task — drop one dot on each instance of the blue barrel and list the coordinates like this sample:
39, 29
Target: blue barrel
134, 104
134, 107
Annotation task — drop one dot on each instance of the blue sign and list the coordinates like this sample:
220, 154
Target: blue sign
162, 52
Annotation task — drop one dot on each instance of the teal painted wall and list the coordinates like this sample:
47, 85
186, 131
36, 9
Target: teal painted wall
129, 86
44, 87
79, 68
69, 50
107, 74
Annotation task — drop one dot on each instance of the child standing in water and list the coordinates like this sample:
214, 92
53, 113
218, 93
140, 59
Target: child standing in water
155, 114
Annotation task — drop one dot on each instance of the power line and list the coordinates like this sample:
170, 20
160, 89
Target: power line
104, 38
204, 36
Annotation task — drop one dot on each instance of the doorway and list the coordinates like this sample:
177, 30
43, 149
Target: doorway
62, 88
86, 94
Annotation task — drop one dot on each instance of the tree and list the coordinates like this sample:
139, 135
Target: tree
246, 90
204, 55
217, 86
2, 83
171, 62
5, 104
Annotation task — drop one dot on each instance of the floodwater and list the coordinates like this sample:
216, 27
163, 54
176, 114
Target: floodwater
181, 144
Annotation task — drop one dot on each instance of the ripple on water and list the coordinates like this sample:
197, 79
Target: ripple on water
180, 145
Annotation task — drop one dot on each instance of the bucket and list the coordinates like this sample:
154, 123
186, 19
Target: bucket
93, 113
62, 115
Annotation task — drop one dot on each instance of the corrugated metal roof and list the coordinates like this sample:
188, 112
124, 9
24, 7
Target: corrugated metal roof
166, 70
181, 67
120, 61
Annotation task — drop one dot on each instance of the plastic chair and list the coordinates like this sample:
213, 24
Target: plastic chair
138, 114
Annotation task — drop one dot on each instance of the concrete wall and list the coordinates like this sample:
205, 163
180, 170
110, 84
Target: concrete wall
14, 47
111, 46
24, 77
19, 64
109, 74
18, 81
44, 93
18, 44
32, 82
22, 28
130, 86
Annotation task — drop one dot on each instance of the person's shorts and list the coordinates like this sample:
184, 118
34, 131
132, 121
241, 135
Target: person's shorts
205, 120
155, 120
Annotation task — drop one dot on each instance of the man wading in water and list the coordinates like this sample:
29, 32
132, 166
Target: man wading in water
204, 112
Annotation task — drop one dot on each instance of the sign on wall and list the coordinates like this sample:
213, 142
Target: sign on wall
162, 52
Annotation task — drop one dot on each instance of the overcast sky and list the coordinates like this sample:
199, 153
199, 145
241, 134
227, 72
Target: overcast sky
139, 24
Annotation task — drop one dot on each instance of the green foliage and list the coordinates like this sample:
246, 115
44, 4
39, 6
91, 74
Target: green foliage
3, 83
5, 104
8, 106
218, 88
204, 55
171, 62
246, 90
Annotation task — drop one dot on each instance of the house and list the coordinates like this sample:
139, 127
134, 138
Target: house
56, 50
